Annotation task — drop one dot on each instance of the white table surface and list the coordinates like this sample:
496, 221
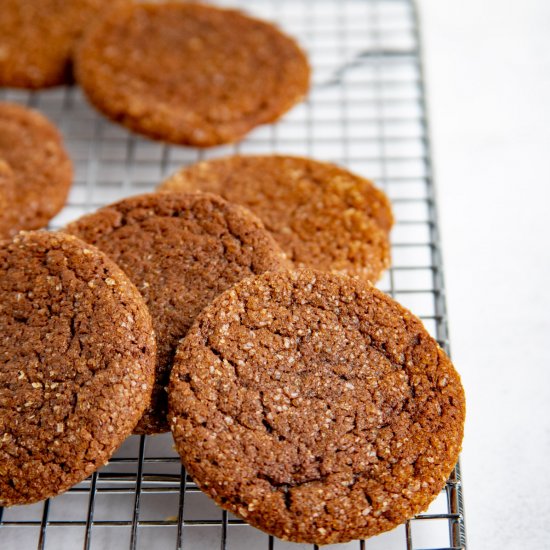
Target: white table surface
488, 73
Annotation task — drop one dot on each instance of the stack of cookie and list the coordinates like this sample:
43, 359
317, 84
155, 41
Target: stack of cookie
233, 307
304, 401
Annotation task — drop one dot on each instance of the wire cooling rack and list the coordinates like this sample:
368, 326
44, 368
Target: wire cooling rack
366, 111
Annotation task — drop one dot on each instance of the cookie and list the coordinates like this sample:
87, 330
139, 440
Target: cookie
315, 407
323, 216
181, 251
37, 38
76, 363
188, 73
42, 171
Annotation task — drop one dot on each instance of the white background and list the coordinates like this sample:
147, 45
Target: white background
488, 76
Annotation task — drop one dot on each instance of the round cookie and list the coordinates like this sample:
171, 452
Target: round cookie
181, 251
42, 171
188, 73
323, 216
76, 363
37, 38
315, 407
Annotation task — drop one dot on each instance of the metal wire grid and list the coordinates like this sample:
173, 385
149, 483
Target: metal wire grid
366, 111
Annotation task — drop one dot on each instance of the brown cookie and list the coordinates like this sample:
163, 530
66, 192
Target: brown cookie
315, 407
37, 38
181, 251
42, 171
188, 73
322, 215
76, 363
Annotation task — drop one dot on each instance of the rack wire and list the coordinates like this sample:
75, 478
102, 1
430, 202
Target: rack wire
366, 111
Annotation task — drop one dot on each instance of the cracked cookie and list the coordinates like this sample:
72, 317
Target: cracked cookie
315, 407
42, 172
76, 363
37, 38
181, 251
323, 216
188, 73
